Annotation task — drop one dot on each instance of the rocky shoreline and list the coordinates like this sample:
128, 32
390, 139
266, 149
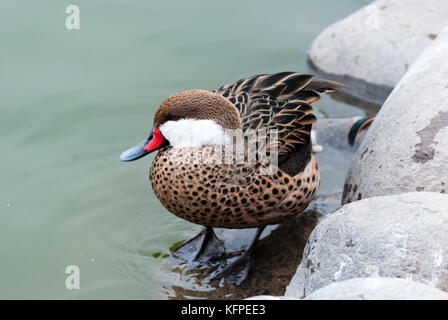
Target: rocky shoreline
387, 241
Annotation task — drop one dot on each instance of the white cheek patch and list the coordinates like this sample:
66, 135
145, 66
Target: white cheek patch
193, 133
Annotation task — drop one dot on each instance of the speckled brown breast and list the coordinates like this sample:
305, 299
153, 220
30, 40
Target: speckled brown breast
192, 185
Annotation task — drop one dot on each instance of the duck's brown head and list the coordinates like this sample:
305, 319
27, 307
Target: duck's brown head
190, 118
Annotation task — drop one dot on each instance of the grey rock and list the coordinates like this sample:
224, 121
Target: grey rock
406, 147
332, 132
270, 298
376, 289
371, 49
401, 236
334, 161
370, 289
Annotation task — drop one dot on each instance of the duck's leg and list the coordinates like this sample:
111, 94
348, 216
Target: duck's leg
238, 271
203, 247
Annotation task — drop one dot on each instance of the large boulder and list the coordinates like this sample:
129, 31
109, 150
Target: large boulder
371, 49
401, 236
375, 289
406, 147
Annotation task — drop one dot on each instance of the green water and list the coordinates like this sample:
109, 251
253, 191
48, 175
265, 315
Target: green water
72, 100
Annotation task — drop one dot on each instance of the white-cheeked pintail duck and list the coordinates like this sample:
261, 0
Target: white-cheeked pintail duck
194, 125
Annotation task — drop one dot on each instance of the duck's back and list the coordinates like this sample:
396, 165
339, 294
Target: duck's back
281, 101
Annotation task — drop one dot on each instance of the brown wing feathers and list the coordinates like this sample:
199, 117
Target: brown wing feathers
282, 85
282, 101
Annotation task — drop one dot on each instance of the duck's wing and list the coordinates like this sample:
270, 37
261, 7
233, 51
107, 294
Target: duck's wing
281, 101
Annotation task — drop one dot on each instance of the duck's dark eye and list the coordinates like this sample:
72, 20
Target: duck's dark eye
174, 117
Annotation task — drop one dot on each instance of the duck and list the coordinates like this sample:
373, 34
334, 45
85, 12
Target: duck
357, 127
190, 133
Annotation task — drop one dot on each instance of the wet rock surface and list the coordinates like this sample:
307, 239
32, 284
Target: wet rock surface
370, 289
401, 236
378, 289
406, 147
371, 49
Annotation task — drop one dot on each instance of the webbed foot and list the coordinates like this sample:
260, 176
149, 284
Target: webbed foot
237, 271
204, 247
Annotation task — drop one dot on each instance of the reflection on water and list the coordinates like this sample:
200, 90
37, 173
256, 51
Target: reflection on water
73, 100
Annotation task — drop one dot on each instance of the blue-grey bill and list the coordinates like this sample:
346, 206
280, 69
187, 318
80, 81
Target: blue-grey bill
135, 153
